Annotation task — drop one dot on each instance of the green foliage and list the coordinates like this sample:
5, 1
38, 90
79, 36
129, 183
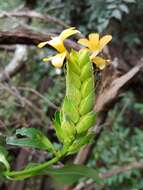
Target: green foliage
3, 160
118, 17
70, 174
101, 12
8, 4
65, 175
7, 107
30, 137
95, 14
41, 85
71, 122
120, 145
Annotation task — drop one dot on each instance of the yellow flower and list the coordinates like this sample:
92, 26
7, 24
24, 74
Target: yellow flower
95, 45
58, 44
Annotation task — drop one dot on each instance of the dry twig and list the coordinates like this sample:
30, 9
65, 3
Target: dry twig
29, 37
115, 171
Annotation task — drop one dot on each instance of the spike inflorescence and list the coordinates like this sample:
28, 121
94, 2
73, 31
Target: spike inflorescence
76, 115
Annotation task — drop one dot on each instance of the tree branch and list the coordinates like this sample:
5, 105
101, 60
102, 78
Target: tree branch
22, 36
18, 61
110, 93
28, 37
115, 171
35, 15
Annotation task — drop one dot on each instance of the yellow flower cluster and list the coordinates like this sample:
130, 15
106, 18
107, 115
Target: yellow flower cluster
94, 44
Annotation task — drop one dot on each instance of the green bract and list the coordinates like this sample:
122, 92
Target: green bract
76, 115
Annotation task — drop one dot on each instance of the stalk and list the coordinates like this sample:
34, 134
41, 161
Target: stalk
23, 174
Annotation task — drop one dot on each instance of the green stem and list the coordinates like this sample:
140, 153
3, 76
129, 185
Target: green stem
27, 172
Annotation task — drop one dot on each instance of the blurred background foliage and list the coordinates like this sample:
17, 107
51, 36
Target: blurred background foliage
121, 144
36, 92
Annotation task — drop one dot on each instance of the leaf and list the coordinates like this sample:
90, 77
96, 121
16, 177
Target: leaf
110, 1
130, 1
111, 6
66, 175
31, 137
71, 173
124, 8
57, 126
103, 24
57, 118
116, 14
3, 160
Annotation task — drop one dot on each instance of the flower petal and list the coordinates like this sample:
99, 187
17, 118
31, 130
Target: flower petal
94, 37
100, 62
58, 59
42, 44
94, 41
94, 54
85, 42
68, 32
57, 43
104, 40
46, 59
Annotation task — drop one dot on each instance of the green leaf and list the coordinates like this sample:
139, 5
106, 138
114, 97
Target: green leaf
31, 137
70, 174
116, 14
130, 1
3, 160
111, 6
101, 26
110, 1
57, 126
124, 8
66, 175
58, 118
